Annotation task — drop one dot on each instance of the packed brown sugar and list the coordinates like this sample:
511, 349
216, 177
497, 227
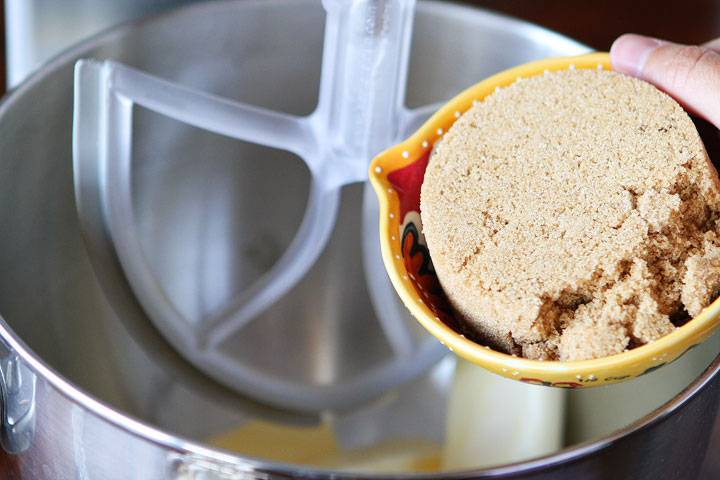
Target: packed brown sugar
573, 215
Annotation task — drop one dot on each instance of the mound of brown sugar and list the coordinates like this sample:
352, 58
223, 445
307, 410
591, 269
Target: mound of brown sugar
573, 215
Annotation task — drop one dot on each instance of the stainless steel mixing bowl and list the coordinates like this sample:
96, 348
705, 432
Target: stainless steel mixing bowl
89, 387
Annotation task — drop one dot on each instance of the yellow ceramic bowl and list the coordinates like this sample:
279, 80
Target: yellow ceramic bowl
397, 175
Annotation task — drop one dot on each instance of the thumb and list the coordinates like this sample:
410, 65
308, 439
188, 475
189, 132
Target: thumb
690, 74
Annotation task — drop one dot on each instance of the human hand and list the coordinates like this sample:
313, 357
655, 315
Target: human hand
688, 73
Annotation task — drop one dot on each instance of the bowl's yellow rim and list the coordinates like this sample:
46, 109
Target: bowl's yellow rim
633, 362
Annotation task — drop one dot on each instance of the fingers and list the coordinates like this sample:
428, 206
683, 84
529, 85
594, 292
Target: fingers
690, 74
713, 45
629, 53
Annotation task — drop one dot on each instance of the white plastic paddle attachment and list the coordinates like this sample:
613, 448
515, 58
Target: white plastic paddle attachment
359, 113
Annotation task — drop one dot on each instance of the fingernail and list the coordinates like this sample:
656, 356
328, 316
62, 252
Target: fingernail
629, 53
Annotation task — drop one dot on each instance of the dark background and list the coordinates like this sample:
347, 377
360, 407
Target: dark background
596, 23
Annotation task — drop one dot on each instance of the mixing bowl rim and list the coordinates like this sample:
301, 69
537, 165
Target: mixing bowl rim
154, 435
147, 432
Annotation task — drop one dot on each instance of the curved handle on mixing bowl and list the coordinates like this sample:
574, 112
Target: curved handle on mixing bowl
17, 393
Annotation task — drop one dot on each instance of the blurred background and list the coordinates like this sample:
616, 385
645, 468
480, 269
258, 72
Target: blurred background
35, 30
